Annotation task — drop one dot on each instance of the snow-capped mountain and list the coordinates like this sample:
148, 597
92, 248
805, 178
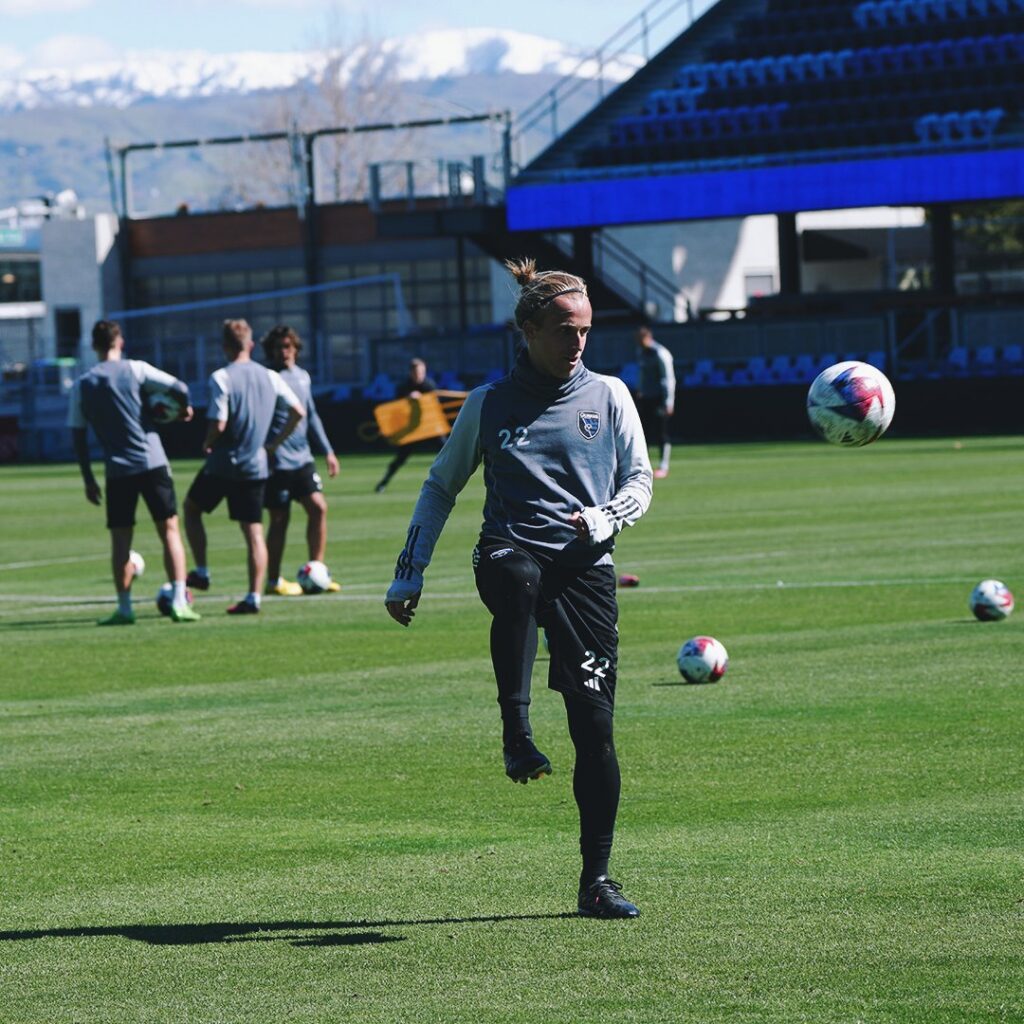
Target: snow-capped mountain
152, 75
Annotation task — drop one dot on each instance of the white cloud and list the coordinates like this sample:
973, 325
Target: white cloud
10, 59
19, 8
70, 51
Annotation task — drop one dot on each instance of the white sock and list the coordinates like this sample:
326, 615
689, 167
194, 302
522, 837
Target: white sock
179, 600
666, 454
253, 598
124, 603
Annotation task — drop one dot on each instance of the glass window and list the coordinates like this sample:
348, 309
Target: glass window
261, 281
291, 277
233, 283
175, 286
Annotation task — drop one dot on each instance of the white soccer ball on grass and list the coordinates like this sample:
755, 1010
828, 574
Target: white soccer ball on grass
702, 659
314, 577
991, 600
851, 404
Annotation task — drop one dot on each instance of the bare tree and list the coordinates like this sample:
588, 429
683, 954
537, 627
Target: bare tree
348, 84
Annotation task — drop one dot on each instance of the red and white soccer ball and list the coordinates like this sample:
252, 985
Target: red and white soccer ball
851, 404
702, 659
314, 577
991, 600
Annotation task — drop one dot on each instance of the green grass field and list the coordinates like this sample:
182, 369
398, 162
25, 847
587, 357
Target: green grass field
304, 817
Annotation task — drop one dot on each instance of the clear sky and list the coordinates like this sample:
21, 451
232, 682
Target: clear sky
49, 33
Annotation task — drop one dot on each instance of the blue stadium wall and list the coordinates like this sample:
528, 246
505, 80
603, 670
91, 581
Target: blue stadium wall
649, 198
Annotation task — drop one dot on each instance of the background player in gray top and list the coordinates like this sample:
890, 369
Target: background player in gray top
243, 397
565, 469
111, 398
656, 394
294, 476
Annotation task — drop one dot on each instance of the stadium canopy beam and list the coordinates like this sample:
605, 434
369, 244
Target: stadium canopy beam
307, 206
789, 254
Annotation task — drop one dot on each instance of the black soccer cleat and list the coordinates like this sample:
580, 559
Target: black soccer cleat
523, 761
603, 898
197, 581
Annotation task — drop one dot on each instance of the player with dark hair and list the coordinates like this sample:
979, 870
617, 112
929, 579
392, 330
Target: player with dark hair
565, 469
243, 398
415, 385
294, 476
656, 394
111, 399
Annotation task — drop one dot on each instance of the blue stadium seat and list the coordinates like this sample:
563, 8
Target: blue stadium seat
341, 393
1012, 359
876, 358
494, 374
958, 361
450, 381
779, 370
381, 388
826, 359
629, 374
985, 361
805, 369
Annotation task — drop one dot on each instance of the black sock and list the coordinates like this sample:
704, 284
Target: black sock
595, 783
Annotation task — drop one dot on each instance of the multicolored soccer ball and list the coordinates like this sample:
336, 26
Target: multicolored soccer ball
851, 404
702, 659
165, 598
991, 600
314, 577
138, 563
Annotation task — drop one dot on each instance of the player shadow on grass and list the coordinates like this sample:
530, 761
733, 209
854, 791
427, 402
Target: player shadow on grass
240, 931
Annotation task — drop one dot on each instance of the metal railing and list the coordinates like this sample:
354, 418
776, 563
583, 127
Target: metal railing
638, 31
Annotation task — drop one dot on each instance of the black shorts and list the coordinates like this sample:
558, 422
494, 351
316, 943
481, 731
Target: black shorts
245, 497
287, 485
654, 419
156, 488
577, 610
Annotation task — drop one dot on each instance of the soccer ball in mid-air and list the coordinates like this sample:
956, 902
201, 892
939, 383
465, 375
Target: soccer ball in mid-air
165, 598
165, 406
702, 659
991, 600
137, 562
851, 403
314, 577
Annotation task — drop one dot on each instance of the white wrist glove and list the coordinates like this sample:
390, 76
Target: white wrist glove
599, 525
402, 590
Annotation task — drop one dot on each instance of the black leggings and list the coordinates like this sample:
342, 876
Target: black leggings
595, 782
510, 585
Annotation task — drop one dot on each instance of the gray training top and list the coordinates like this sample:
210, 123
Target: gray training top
294, 452
109, 398
657, 375
549, 448
246, 395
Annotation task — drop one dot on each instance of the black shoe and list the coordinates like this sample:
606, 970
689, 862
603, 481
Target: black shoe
197, 581
523, 761
603, 898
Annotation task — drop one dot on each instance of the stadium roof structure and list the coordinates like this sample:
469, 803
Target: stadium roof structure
781, 106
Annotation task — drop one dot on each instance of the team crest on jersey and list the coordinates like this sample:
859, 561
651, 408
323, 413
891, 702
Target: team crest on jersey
589, 424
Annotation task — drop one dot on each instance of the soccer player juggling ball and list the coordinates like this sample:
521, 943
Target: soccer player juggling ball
565, 469
109, 398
